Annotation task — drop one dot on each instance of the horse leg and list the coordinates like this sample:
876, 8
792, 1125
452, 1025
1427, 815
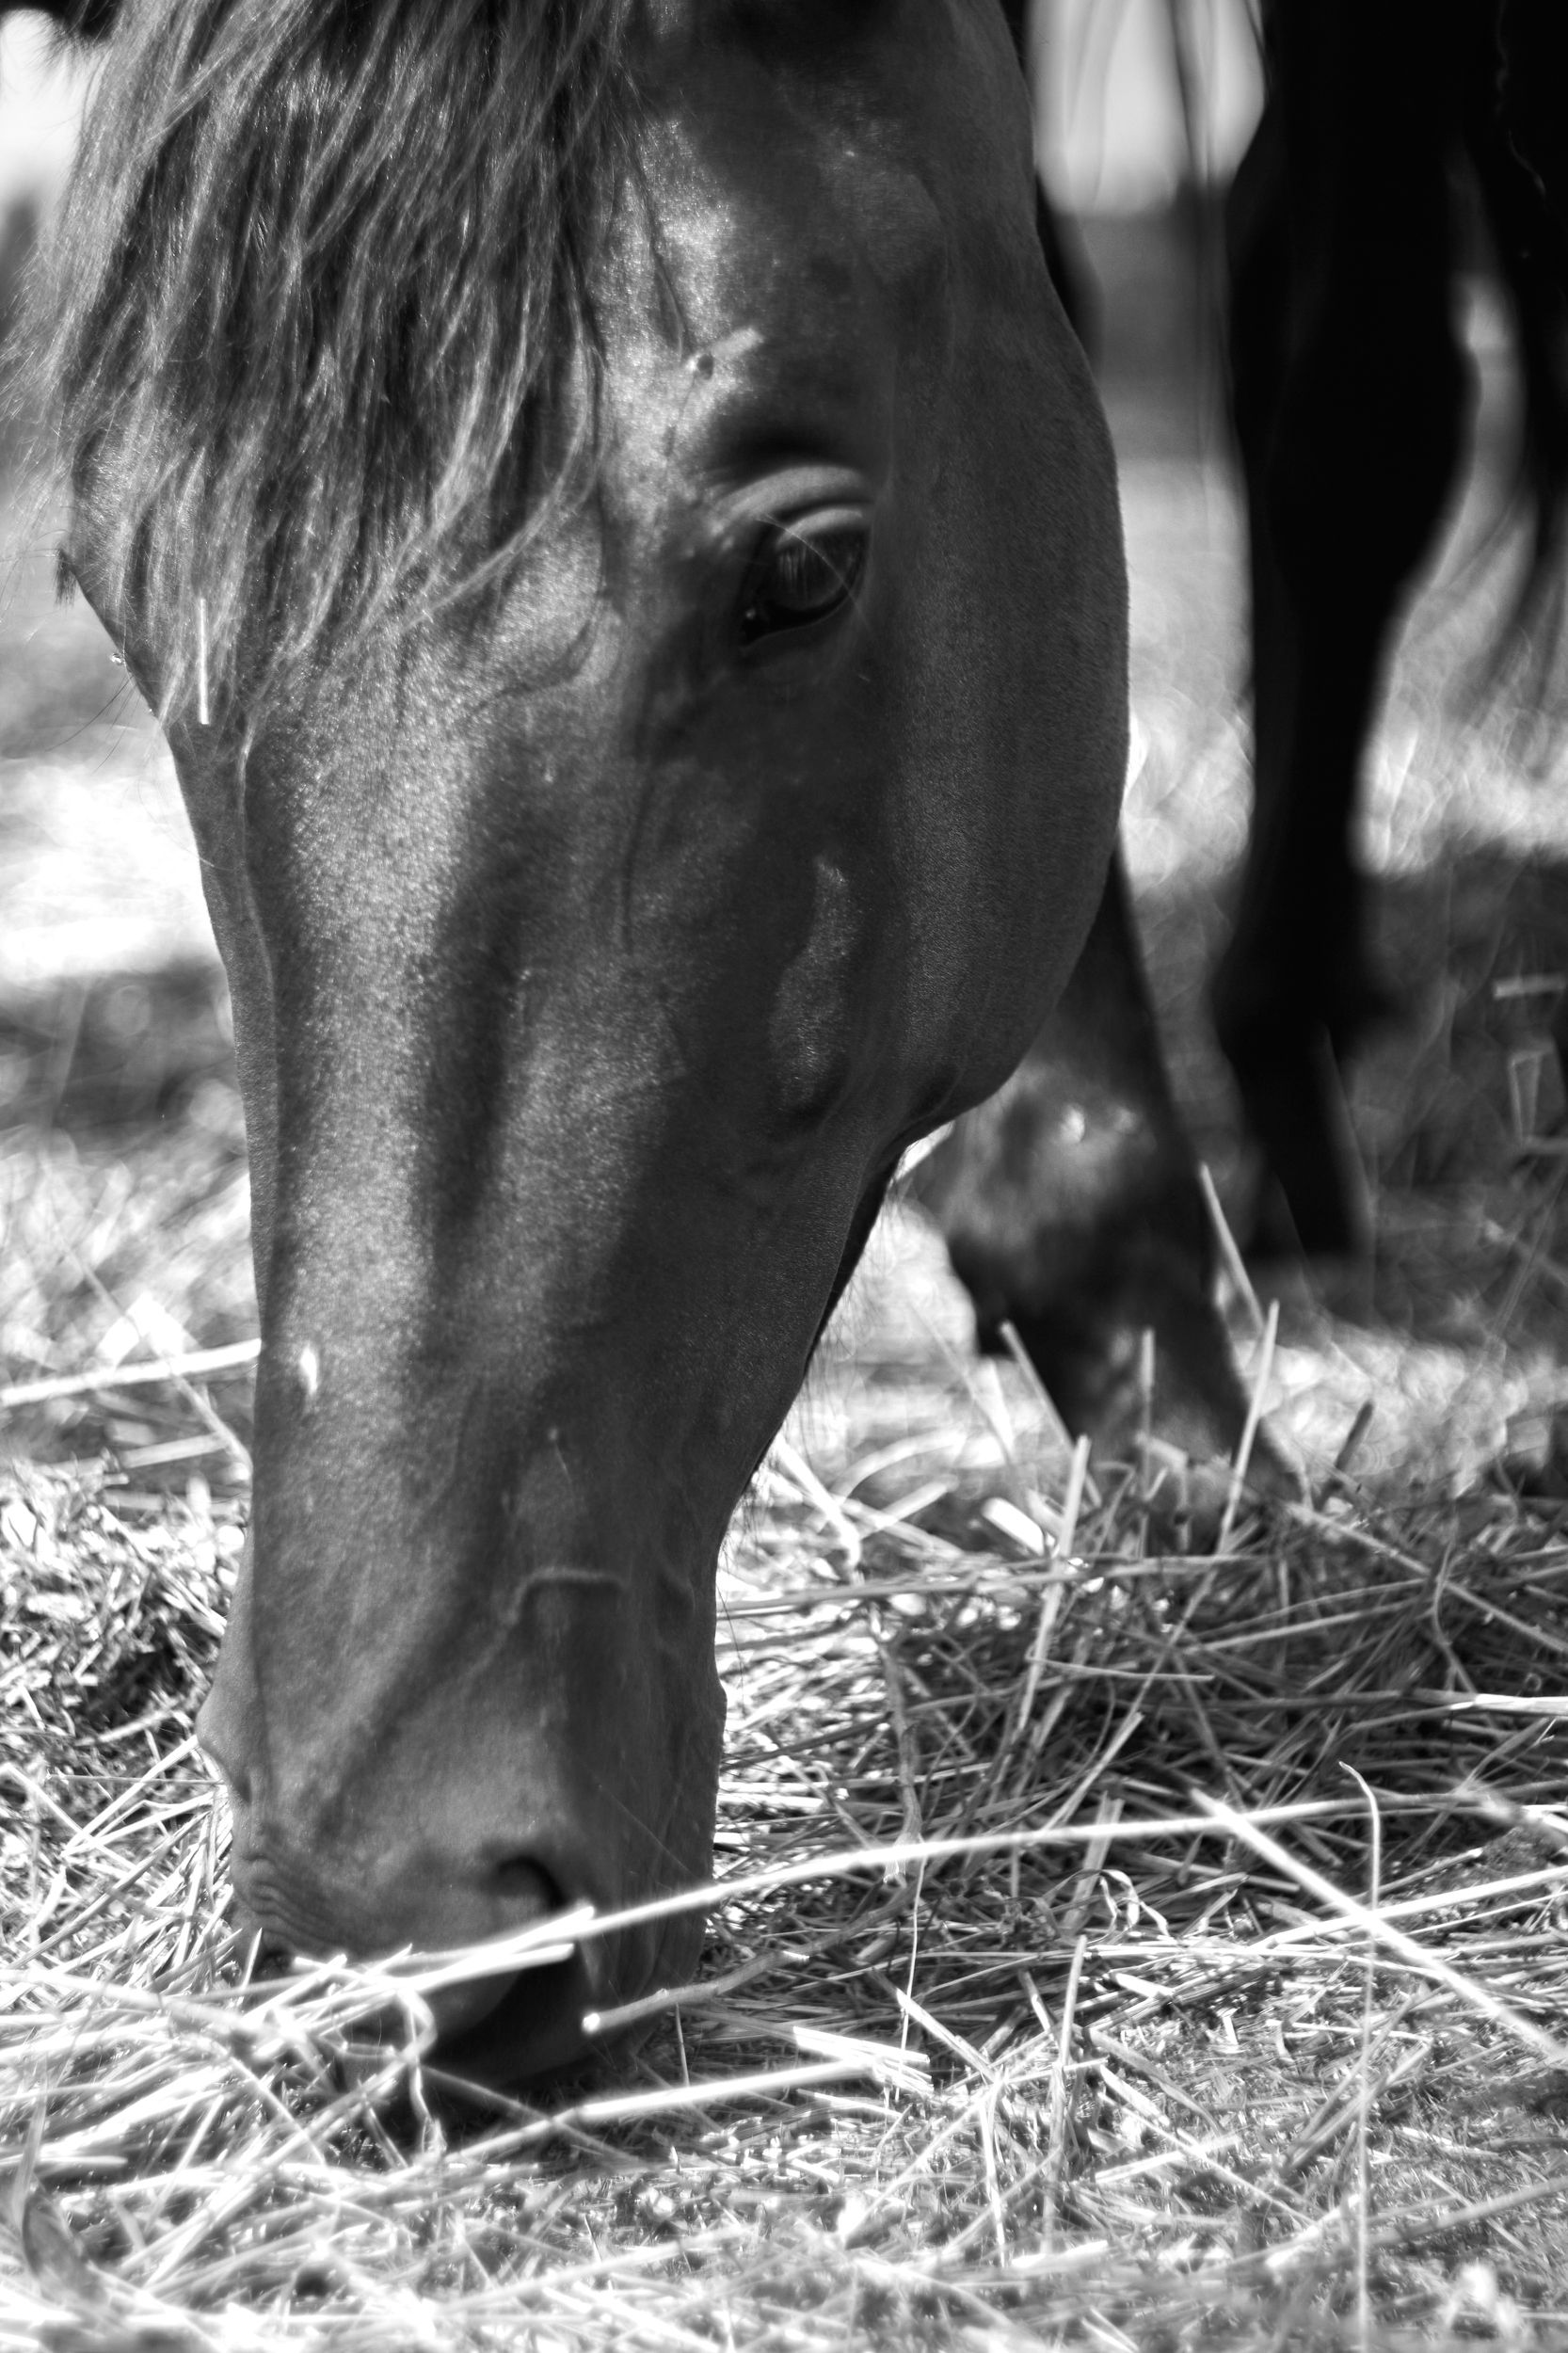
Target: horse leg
1070, 1202
1071, 1207
1350, 394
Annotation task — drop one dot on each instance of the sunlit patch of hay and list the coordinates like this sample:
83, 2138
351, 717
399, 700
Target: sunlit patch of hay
112, 1256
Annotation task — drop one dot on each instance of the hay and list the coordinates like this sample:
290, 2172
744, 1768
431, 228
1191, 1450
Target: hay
1139, 1945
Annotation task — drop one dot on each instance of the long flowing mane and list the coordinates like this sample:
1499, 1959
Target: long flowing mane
316, 265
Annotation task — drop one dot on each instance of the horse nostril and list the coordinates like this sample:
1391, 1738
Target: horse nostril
526, 1890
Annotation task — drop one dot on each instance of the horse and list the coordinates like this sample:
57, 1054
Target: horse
1350, 396
622, 542
1071, 1202
1346, 235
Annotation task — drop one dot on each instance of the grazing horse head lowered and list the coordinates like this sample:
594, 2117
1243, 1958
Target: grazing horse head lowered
624, 547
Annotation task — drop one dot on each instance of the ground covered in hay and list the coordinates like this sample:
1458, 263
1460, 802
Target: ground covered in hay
1116, 1939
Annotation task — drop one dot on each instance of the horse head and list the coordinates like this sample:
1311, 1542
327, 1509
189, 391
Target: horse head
625, 548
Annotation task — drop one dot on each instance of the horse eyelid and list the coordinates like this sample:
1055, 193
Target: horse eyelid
818, 526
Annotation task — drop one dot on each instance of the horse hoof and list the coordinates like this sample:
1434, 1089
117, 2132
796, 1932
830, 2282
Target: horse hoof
1156, 1387
1207, 1497
1314, 1201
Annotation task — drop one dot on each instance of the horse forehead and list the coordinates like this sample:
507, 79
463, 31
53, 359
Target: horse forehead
783, 157
805, 237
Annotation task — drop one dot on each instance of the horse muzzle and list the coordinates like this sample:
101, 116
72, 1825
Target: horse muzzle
514, 2000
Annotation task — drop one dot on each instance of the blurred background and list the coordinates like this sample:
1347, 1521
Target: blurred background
122, 1188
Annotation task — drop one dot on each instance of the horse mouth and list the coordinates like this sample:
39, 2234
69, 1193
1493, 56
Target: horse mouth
518, 2025
515, 2019
529, 2030
494, 2031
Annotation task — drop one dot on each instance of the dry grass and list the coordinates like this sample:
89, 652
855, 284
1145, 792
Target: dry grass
1126, 1944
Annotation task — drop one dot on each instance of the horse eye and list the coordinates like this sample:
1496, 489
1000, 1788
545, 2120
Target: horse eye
805, 571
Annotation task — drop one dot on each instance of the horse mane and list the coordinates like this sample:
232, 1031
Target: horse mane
319, 262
